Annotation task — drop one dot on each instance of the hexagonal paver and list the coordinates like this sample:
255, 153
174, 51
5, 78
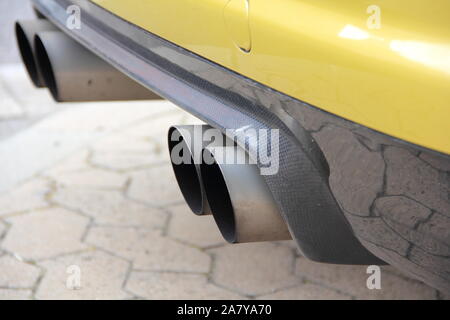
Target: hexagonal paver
200, 231
123, 143
163, 285
149, 250
46, 233
254, 269
13, 294
101, 276
94, 178
28, 196
306, 291
17, 274
119, 160
110, 207
352, 280
155, 186
158, 126
75, 162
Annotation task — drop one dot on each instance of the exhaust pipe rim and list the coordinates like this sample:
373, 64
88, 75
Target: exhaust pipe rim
46, 67
189, 176
219, 198
26, 52
240, 201
25, 31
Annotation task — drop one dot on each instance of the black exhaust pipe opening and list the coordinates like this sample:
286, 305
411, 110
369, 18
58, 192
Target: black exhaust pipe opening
186, 174
219, 198
26, 52
46, 67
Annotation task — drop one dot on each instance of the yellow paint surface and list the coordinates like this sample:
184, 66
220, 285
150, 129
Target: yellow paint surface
385, 67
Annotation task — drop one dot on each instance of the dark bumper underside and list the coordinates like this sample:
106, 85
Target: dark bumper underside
349, 194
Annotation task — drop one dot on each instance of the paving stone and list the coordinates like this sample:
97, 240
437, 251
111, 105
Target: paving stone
119, 160
254, 269
46, 233
101, 276
13, 294
16, 274
10, 108
200, 231
155, 186
28, 196
34, 102
353, 280
306, 291
122, 143
178, 286
110, 207
158, 126
93, 178
104, 116
74, 163
149, 249
156, 129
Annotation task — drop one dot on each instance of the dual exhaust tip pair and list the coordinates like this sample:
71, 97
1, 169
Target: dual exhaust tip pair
71, 72
234, 193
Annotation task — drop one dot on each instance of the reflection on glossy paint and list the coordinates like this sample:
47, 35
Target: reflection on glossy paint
353, 33
436, 56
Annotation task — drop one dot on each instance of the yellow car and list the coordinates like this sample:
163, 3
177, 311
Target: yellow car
353, 96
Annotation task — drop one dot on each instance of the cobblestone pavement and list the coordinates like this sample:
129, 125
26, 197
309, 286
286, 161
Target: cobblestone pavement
111, 212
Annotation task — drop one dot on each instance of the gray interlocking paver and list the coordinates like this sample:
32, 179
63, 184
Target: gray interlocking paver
119, 160
90, 275
200, 231
17, 274
306, 291
14, 294
28, 196
149, 249
92, 178
73, 163
153, 285
45, 233
110, 207
254, 269
155, 186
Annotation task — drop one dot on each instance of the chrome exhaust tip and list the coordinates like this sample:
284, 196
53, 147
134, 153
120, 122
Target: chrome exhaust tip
26, 31
185, 157
240, 201
74, 74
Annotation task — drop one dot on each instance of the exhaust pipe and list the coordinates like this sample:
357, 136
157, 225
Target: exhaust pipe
26, 31
186, 157
74, 74
240, 201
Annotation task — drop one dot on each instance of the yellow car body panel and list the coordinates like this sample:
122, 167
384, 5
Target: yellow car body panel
386, 67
